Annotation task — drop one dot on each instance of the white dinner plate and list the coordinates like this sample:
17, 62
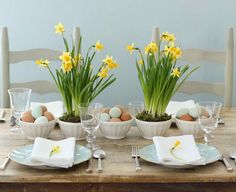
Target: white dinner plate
22, 155
209, 153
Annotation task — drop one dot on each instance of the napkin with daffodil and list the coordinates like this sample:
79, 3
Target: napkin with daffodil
178, 150
54, 153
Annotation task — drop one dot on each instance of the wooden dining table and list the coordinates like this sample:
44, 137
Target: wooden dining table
119, 167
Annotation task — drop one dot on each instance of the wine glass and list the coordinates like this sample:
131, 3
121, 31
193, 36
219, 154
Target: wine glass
209, 112
136, 107
20, 102
90, 120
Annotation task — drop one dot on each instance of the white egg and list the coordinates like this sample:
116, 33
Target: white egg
41, 119
115, 112
104, 117
194, 112
37, 112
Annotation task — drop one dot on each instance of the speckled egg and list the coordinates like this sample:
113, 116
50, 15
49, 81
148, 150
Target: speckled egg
27, 118
115, 120
193, 112
125, 117
105, 110
41, 119
115, 112
181, 112
37, 112
186, 117
104, 117
123, 109
49, 116
44, 108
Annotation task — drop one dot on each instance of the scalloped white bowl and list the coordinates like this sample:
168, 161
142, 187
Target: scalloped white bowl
115, 130
190, 128
33, 130
150, 129
72, 130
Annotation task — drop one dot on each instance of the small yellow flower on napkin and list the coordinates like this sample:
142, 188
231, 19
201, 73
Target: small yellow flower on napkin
176, 145
55, 149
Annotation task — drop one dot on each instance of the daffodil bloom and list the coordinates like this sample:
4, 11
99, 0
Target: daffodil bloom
108, 60
55, 149
42, 63
130, 48
103, 73
67, 66
176, 52
175, 146
167, 37
65, 57
59, 28
113, 65
99, 46
175, 72
140, 62
151, 48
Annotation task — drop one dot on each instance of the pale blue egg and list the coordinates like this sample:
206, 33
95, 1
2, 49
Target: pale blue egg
104, 117
41, 119
194, 112
37, 112
115, 112
183, 111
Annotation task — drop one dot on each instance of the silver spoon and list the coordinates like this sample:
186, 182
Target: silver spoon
99, 154
2, 112
233, 156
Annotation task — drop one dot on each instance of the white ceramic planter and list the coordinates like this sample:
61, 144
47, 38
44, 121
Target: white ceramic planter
72, 130
33, 130
115, 130
190, 128
150, 129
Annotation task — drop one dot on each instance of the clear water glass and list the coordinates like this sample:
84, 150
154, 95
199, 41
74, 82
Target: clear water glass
90, 120
136, 107
20, 102
209, 116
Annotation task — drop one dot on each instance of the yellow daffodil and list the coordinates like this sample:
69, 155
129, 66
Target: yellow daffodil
108, 60
140, 62
130, 48
99, 46
55, 149
167, 37
67, 66
76, 59
42, 63
176, 52
151, 48
103, 73
59, 28
175, 72
65, 57
113, 65
175, 146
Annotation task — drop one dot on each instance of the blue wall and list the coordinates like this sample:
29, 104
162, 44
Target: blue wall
115, 23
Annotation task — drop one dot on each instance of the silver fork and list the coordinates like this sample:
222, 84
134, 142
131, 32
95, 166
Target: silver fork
135, 155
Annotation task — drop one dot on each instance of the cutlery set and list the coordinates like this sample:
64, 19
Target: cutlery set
99, 155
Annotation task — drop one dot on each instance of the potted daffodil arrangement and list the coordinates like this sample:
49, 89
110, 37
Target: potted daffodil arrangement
160, 78
77, 81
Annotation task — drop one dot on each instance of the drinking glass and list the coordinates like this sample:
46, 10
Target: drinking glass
20, 101
209, 112
136, 107
90, 120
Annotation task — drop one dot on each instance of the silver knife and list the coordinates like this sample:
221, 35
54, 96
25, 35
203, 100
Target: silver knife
4, 164
228, 166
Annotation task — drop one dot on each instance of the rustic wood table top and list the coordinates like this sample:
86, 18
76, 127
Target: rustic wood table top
119, 167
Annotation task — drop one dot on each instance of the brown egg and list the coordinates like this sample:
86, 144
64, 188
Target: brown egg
27, 113
186, 117
49, 115
204, 112
27, 118
105, 110
115, 120
44, 108
123, 109
125, 117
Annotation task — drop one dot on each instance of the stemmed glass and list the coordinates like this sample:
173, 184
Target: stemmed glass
20, 102
136, 107
90, 120
209, 116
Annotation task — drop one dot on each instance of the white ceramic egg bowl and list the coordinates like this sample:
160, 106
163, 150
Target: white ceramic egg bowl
33, 130
190, 128
116, 130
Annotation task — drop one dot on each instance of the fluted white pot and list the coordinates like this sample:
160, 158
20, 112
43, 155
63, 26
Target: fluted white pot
150, 129
33, 130
190, 128
70, 129
115, 130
